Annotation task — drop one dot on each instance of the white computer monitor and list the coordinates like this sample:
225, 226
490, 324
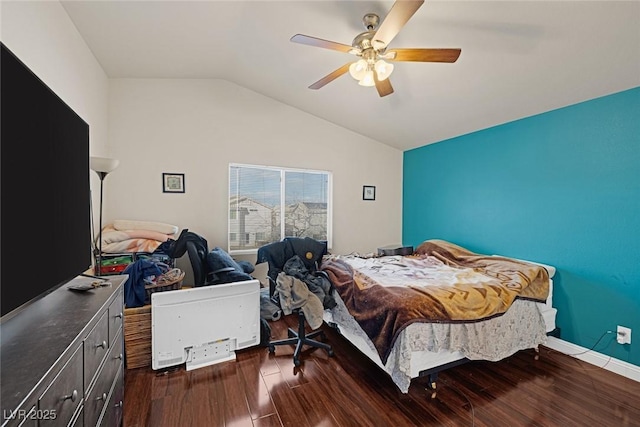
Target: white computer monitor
205, 325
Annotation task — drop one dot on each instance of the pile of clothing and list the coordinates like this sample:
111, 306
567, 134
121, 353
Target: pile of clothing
295, 279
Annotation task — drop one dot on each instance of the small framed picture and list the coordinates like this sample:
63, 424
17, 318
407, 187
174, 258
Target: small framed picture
173, 183
368, 192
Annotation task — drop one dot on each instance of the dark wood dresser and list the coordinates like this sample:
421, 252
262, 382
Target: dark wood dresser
62, 358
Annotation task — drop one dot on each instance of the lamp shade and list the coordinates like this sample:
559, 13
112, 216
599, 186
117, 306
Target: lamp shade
358, 69
103, 164
367, 80
383, 69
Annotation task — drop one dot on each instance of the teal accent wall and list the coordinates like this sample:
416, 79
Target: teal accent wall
561, 188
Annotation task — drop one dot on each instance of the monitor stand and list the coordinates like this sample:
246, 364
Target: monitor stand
210, 353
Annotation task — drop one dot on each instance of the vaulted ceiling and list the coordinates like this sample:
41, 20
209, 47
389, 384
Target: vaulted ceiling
519, 58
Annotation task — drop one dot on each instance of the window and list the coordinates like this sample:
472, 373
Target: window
259, 194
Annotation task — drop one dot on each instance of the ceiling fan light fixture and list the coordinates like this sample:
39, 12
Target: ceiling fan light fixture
383, 69
367, 80
388, 55
370, 46
358, 69
378, 45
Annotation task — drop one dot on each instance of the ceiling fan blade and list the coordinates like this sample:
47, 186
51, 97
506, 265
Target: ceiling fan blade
314, 41
383, 86
398, 15
426, 55
331, 76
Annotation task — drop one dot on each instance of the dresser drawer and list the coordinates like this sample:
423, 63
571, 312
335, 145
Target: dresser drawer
78, 421
31, 418
26, 416
63, 396
113, 412
116, 312
96, 398
96, 345
54, 350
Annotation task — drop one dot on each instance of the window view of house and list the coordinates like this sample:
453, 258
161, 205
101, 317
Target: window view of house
258, 196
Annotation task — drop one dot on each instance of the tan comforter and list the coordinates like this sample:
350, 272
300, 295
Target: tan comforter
441, 282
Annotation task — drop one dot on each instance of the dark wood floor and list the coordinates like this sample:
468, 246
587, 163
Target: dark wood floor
263, 390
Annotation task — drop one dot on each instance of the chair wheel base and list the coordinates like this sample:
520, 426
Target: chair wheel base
300, 339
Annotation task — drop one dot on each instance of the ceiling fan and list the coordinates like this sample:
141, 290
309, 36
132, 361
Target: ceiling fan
371, 47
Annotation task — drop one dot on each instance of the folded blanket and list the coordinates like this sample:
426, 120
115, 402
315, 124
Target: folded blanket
111, 236
160, 227
134, 240
131, 245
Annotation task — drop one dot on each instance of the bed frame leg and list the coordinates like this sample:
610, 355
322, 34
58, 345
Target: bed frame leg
432, 384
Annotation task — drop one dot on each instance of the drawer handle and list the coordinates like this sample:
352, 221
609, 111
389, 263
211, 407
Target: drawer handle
103, 397
118, 356
119, 316
118, 404
73, 396
103, 344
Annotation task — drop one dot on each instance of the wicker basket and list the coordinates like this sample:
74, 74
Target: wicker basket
169, 281
137, 337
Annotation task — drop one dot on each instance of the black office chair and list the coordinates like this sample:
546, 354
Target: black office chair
276, 255
197, 259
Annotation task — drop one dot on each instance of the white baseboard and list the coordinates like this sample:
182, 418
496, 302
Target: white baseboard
617, 366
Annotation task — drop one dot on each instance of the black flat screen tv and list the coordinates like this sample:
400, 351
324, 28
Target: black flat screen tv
45, 230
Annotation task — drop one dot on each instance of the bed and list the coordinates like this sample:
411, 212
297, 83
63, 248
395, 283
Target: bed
419, 314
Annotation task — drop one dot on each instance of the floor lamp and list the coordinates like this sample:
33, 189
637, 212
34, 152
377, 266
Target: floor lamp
102, 166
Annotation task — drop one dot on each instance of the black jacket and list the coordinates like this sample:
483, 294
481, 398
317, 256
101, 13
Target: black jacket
301, 258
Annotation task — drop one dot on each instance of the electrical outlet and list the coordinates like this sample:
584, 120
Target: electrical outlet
624, 335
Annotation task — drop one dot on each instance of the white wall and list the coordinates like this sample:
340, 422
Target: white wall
42, 36
198, 127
